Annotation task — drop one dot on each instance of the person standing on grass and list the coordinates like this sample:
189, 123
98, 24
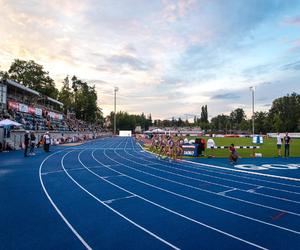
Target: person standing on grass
26, 143
279, 143
287, 141
32, 143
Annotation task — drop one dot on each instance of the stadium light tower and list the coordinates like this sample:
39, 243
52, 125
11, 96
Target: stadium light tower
115, 104
252, 88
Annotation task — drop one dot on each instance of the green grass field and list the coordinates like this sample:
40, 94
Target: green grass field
268, 148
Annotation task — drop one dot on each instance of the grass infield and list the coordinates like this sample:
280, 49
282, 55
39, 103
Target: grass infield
267, 149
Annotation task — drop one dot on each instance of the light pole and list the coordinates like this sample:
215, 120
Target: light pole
115, 104
252, 88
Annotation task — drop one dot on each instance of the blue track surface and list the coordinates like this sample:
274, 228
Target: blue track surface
110, 194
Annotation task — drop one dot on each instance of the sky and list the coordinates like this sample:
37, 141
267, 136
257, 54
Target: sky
167, 57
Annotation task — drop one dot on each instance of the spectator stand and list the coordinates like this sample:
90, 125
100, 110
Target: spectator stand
40, 113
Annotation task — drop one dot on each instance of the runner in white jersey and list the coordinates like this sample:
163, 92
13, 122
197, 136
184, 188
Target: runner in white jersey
279, 143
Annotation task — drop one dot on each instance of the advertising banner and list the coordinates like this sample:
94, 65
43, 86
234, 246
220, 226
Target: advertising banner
13, 105
23, 108
38, 111
31, 110
190, 149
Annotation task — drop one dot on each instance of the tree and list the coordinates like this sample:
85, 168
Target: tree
204, 114
85, 100
99, 117
285, 113
33, 75
3, 75
236, 117
261, 121
66, 95
220, 123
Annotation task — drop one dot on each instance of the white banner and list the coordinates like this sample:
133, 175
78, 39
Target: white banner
38, 111
23, 108
3, 90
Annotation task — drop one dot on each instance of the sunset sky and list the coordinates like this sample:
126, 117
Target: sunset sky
168, 58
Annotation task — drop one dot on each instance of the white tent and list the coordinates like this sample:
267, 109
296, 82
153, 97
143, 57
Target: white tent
8, 122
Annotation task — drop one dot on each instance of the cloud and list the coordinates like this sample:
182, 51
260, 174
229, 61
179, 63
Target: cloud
293, 21
292, 66
127, 60
259, 70
226, 96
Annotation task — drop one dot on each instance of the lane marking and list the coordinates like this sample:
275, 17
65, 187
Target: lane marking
227, 191
118, 199
278, 216
214, 183
235, 170
243, 171
96, 167
79, 237
111, 176
253, 190
222, 178
238, 199
174, 212
112, 209
196, 201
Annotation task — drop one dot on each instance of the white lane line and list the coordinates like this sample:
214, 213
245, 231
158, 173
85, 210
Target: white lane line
112, 209
174, 212
244, 171
196, 201
240, 176
224, 173
254, 189
52, 172
227, 191
98, 148
215, 177
61, 171
233, 198
79, 237
118, 199
112, 165
213, 183
111, 176
94, 167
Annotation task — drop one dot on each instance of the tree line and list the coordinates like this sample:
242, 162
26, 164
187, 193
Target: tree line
283, 116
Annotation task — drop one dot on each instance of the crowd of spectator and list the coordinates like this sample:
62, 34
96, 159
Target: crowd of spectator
45, 122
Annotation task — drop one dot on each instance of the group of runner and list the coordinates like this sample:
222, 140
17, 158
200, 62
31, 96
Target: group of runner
164, 146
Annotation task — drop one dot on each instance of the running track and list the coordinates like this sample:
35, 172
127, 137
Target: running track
109, 194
